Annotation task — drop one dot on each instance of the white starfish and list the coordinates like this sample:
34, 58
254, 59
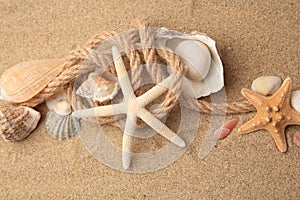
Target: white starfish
133, 107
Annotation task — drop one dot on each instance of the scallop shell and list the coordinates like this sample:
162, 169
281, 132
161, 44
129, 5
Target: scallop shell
25, 80
61, 127
266, 85
16, 123
98, 89
205, 69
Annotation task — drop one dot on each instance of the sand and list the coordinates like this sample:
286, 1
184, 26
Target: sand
254, 38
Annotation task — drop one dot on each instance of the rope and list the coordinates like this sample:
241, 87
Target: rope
151, 56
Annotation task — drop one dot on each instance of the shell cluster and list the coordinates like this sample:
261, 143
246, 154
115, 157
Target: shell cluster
16, 123
199, 53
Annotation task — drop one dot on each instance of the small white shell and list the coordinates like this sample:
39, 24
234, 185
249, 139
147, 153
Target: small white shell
295, 100
195, 55
266, 85
16, 123
209, 66
63, 108
61, 127
98, 89
52, 101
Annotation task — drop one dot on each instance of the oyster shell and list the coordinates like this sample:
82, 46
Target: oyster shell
61, 126
16, 123
199, 53
25, 80
98, 88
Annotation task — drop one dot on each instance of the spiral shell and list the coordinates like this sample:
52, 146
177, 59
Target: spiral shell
16, 123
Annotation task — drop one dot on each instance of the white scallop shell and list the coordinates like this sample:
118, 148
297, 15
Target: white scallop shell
266, 85
61, 127
295, 100
16, 123
205, 70
97, 88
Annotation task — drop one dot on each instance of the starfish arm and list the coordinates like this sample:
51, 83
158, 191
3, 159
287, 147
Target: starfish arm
123, 77
161, 128
154, 92
251, 125
100, 111
279, 138
253, 97
282, 96
127, 141
295, 117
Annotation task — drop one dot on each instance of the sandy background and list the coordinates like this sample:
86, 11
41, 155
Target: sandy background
254, 38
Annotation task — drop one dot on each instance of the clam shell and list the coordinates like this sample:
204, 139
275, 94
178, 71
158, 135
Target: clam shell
266, 85
177, 42
61, 127
25, 80
16, 123
98, 89
63, 108
295, 100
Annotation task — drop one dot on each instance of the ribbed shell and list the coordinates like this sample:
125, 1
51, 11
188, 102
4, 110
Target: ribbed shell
25, 80
61, 127
16, 123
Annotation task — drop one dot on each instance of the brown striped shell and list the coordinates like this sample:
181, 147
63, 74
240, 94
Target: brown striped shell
25, 80
16, 123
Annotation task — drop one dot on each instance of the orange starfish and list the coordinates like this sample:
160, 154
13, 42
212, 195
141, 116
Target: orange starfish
274, 113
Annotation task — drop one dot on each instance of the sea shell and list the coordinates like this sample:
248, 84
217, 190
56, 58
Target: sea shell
194, 54
266, 85
199, 53
61, 127
225, 130
63, 108
98, 88
295, 100
296, 138
231, 124
16, 123
222, 133
25, 80
52, 101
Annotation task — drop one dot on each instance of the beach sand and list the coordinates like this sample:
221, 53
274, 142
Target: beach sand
254, 38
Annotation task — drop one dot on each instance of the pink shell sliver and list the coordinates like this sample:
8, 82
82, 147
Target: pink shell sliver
296, 139
231, 124
25, 80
